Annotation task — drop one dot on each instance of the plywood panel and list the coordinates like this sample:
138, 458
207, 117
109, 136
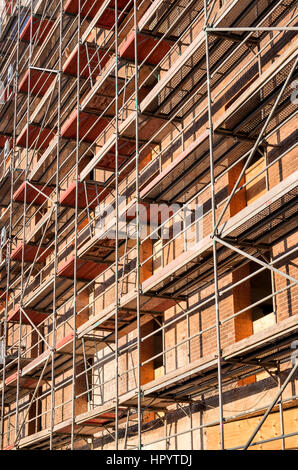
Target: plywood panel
238, 432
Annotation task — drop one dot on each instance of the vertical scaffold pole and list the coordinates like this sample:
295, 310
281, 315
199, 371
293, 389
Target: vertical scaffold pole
54, 315
9, 239
24, 219
76, 228
137, 225
212, 177
117, 231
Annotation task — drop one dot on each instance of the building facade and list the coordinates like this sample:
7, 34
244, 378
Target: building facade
148, 199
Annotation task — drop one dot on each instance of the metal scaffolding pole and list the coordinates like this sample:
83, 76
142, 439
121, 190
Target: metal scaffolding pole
54, 315
279, 393
9, 241
138, 242
214, 245
117, 231
77, 155
24, 219
176, 59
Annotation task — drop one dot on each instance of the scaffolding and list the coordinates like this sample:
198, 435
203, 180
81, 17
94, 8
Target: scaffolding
148, 203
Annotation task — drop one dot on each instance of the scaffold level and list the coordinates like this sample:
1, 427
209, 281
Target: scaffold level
148, 224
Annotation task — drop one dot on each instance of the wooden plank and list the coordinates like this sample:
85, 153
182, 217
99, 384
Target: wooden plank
43, 159
270, 334
110, 67
37, 437
106, 147
207, 363
182, 156
238, 432
225, 230
198, 42
149, 13
178, 375
283, 60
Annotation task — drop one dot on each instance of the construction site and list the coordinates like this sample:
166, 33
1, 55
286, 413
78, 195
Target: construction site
148, 217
